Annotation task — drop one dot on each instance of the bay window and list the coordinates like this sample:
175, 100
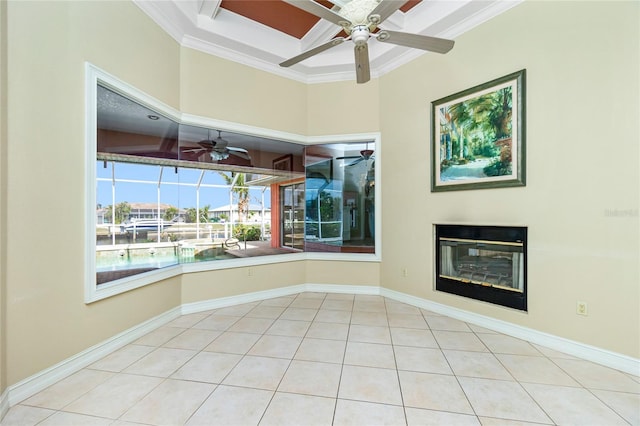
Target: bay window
173, 190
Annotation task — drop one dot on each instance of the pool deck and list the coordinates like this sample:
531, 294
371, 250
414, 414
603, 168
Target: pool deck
258, 248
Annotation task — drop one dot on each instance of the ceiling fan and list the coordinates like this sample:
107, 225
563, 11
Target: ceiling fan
365, 155
218, 149
359, 19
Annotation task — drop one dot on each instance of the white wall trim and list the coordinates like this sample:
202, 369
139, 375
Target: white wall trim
587, 352
45, 378
223, 302
39, 381
4, 403
343, 289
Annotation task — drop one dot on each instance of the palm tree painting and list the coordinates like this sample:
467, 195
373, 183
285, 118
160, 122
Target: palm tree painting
478, 136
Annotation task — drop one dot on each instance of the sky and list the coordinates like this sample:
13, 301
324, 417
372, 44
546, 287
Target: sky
144, 189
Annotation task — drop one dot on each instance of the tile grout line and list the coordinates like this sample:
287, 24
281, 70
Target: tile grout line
395, 361
424, 315
475, 413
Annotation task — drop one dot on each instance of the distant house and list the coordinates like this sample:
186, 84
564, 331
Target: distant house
139, 211
254, 215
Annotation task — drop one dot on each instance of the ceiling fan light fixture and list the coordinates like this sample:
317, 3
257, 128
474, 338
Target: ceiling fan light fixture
366, 153
218, 156
357, 11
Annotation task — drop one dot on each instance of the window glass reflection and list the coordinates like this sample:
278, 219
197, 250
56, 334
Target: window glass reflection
170, 193
340, 198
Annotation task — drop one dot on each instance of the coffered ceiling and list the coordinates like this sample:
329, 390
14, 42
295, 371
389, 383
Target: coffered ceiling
263, 33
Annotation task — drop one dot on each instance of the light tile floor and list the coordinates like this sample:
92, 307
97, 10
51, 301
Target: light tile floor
333, 359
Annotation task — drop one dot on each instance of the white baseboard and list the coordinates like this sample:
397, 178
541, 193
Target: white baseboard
223, 302
343, 289
590, 353
34, 384
45, 378
206, 305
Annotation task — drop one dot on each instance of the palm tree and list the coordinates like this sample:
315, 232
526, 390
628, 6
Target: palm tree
203, 214
170, 213
493, 112
241, 191
122, 212
461, 120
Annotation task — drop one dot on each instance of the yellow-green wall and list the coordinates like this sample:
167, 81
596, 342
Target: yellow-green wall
343, 107
48, 44
582, 152
235, 281
3, 193
582, 158
216, 88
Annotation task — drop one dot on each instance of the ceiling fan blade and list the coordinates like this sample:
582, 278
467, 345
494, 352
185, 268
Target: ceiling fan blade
239, 152
383, 10
312, 52
362, 63
320, 11
192, 150
347, 157
432, 44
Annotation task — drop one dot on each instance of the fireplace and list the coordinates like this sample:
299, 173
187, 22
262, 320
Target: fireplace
487, 263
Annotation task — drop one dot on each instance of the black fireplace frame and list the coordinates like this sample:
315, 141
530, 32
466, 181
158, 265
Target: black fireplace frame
495, 295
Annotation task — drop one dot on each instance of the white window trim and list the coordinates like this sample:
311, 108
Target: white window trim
93, 76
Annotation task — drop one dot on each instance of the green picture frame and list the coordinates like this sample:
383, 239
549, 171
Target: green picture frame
478, 136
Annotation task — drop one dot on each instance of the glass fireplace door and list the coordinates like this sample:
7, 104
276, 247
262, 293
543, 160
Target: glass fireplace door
487, 263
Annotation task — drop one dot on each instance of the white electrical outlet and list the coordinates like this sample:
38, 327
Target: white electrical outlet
404, 272
249, 272
581, 308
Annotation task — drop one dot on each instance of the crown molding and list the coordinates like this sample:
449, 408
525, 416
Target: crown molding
218, 32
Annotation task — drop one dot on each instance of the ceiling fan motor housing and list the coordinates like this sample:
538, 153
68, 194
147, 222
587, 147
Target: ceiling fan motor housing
360, 35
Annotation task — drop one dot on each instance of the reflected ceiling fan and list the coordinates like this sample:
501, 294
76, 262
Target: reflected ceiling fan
359, 19
218, 149
365, 155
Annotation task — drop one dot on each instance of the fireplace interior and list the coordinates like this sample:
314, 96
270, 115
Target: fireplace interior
487, 263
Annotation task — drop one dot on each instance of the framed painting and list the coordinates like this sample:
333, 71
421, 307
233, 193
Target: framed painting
284, 163
478, 136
